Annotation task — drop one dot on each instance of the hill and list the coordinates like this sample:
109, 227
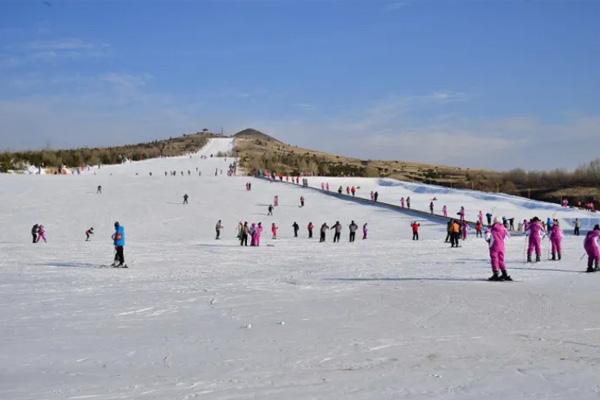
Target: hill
48, 158
258, 152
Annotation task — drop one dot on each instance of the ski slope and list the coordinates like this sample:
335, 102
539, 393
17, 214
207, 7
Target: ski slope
196, 318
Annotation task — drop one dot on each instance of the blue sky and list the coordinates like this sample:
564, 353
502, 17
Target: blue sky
497, 84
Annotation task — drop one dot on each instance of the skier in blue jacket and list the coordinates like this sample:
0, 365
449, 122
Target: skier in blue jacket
119, 242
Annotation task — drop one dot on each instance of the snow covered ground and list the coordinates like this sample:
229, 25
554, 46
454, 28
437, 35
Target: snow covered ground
383, 318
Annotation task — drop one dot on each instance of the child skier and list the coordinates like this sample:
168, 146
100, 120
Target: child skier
591, 247
415, 230
89, 233
41, 232
185, 198
496, 237
478, 229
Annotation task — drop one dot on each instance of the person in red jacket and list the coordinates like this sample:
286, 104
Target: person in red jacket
415, 230
478, 229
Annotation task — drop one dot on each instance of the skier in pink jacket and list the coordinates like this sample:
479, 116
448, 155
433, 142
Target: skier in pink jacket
535, 232
591, 247
41, 234
496, 237
556, 236
274, 230
258, 232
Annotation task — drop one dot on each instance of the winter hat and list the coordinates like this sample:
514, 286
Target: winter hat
597, 227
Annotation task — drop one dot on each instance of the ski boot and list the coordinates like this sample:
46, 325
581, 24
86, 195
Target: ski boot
590, 269
494, 277
553, 257
597, 268
505, 276
528, 258
537, 258
559, 256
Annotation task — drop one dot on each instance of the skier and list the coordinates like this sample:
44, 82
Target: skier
556, 236
431, 207
511, 223
89, 233
478, 229
296, 227
34, 232
353, 191
119, 242
375, 196
365, 231
243, 234
577, 227
488, 216
402, 202
301, 201
480, 217
496, 237
591, 247
408, 202
323, 232
337, 231
445, 211
461, 213
274, 230
327, 186
41, 232
258, 232
270, 209
348, 190
449, 231
310, 230
218, 228
99, 189
464, 228
535, 232
353, 227
415, 230
276, 201
454, 233
252, 234
185, 198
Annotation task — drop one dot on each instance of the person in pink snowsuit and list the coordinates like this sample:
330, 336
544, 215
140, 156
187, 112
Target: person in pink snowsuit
445, 211
464, 230
496, 237
535, 232
274, 230
556, 236
590, 245
252, 232
480, 216
461, 213
41, 234
258, 232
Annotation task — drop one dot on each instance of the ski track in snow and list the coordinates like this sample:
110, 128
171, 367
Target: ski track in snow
384, 318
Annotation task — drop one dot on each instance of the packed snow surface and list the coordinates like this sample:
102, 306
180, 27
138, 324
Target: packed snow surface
193, 317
